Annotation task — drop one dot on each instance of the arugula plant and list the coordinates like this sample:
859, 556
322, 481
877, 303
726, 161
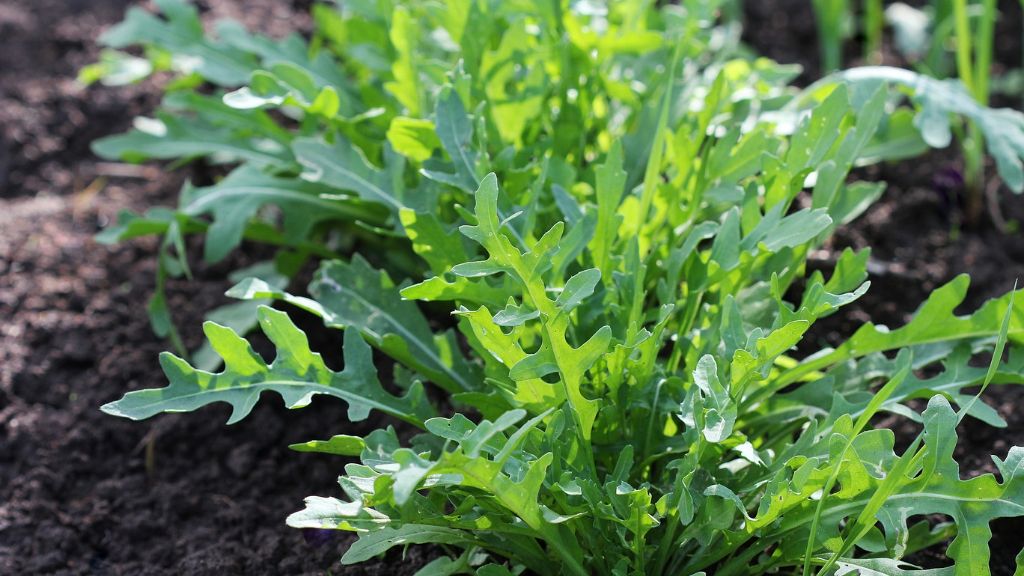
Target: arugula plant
279, 106
624, 263
340, 134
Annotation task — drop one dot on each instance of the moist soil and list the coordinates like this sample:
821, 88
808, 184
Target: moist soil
85, 493
82, 492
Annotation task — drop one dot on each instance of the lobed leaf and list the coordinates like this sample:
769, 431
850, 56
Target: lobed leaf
297, 374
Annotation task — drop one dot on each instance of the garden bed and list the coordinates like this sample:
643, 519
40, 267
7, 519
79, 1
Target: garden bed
84, 493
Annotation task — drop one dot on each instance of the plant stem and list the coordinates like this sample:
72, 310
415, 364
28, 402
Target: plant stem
974, 65
652, 174
964, 64
873, 22
829, 14
974, 173
983, 52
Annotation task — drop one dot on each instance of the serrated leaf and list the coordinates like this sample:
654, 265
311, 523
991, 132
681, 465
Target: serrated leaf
297, 374
933, 322
455, 132
973, 503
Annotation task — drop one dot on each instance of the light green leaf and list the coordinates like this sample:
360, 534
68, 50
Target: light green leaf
341, 445
297, 374
413, 138
333, 514
611, 182
182, 34
885, 567
719, 410
440, 247
115, 68
404, 37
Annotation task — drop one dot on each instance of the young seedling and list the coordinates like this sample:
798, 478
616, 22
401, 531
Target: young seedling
974, 45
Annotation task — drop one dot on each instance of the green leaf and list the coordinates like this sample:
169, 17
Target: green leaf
404, 37
341, 445
356, 295
292, 62
333, 514
973, 503
173, 137
413, 138
297, 374
719, 410
440, 247
502, 352
611, 181
934, 322
344, 167
236, 199
286, 84
556, 353
182, 34
242, 317
374, 543
777, 232
884, 567
577, 289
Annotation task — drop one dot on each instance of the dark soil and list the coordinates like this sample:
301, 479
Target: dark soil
786, 31
78, 494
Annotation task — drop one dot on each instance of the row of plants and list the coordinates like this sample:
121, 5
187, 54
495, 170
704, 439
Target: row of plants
579, 234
